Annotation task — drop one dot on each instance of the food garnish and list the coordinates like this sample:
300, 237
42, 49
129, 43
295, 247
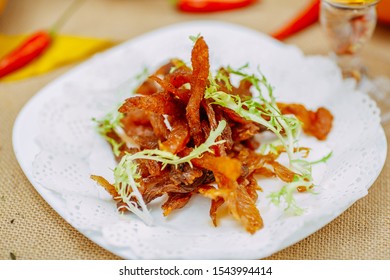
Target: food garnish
188, 132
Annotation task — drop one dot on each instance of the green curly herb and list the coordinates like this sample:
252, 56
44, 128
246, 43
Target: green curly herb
126, 174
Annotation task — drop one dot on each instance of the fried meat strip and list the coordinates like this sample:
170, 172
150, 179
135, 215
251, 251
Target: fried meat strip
229, 167
226, 172
173, 83
246, 209
182, 180
136, 125
148, 167
199, 79
251, 160
215, 203
318, 123
135, 116
111, 190
244, 131
156, 186
149, 87
179, 77
159, 103
175, 201
238, 201
243, 90
252, 187
210, 114
233, 116
168, 87
255, 163
159, 127
106, 185
283, 172
178, 137
142, 135
214, 117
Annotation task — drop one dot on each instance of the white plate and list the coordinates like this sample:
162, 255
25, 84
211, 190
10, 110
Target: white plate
58, 149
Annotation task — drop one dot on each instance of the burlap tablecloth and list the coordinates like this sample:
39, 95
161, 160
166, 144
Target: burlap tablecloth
31, 229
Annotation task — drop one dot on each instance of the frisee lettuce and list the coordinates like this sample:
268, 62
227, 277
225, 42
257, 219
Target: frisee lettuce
194, 38
263, 110
287, 193
256, 110
111, 122
126, 173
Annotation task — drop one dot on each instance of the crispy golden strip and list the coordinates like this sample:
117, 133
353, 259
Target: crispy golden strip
175, 201
200, 73
215, 203
159, 127
247, 211
318, 123
106, 185
238, 201
228, 167
148, 87
159, 103
265, 172
177, 138
210, 114
220, 149
251, 187
179, 77
283, 172
242, 132
165, 85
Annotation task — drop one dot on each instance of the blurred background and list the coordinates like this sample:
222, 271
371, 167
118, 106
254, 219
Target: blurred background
121, 20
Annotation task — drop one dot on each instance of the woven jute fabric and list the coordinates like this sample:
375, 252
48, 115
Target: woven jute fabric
31, 229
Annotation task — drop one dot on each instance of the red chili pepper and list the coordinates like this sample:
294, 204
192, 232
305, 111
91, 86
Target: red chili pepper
199, 6
30, 49
305, 18
35, 44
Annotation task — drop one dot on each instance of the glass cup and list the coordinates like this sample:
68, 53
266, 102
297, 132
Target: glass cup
348, 25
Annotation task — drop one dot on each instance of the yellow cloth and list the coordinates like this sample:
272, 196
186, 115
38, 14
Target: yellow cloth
65, 49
